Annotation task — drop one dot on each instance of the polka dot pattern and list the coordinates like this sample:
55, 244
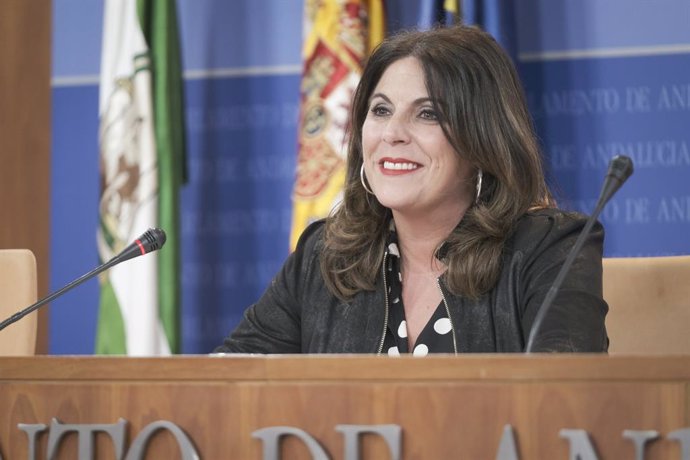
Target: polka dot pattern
420, 350
435, 337
442, 326
402, 329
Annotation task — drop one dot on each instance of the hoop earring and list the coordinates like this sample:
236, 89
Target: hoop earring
362, 179
480, 176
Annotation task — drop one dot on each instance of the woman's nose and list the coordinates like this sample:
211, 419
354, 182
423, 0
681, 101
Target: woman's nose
396, 131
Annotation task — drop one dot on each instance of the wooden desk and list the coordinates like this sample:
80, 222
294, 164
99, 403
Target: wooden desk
448, 407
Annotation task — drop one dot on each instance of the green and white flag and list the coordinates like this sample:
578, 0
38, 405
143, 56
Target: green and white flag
141, 167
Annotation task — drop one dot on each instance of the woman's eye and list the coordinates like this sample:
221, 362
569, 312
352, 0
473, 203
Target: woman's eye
428, 114
379, 110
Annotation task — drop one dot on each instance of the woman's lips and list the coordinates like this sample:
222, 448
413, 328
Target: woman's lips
398, 166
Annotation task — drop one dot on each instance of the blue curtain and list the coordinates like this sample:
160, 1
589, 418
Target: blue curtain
496, 17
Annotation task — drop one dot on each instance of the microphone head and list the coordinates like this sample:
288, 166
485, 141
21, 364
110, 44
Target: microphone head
620, 167
153, 239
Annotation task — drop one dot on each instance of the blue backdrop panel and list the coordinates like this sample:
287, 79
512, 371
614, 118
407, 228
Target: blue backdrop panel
77, 37
219, 34
557, 25
236, 208
74, 217
589, 110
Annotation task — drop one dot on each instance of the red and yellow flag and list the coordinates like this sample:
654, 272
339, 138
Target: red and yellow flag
338, 36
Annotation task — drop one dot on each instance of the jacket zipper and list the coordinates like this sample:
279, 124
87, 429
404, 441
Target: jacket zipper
385, 319
450, 318
385, 293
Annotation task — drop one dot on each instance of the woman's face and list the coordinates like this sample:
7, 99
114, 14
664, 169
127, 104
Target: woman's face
409, 164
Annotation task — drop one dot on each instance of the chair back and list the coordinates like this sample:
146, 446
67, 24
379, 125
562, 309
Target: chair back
18, 286
649, 304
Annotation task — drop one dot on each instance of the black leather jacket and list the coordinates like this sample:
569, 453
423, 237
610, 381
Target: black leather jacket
298, 314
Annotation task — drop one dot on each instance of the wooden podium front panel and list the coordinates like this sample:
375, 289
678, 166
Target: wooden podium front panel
605, 410
447, 407
196, 408
466, 420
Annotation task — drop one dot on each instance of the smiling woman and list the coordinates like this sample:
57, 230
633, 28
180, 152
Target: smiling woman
446, 239
410, 165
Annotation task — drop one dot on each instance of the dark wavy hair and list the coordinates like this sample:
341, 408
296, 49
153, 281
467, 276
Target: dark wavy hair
475, 90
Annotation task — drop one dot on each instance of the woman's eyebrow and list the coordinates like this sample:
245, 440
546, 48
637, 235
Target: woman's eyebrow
417, 101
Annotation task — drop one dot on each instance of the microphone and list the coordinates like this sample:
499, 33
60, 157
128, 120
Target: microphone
151, 240
620, 168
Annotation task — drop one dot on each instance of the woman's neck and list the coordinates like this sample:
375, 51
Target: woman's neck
419, 241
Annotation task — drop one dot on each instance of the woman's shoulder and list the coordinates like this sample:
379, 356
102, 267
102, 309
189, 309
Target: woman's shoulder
550, 218
547, 226
311, 237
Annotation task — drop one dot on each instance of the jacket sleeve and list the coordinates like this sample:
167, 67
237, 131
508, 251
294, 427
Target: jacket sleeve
575, 320
273, 323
